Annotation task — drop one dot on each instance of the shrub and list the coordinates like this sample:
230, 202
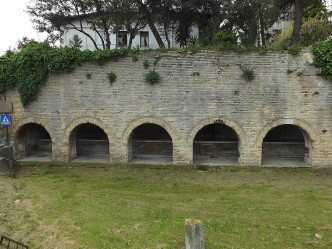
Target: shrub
111, 77
75, 42
294, 50
88, 76
225, 37
146, 64
315, 30
152, 77
323, 58
247, 73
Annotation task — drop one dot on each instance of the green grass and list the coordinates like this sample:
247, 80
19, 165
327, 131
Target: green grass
126, 206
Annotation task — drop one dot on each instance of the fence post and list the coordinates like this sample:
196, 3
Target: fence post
194, 234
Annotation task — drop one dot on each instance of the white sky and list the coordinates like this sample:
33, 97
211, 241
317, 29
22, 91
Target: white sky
14, 24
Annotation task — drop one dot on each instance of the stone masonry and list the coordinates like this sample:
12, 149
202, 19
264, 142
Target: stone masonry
197, 89
3, 135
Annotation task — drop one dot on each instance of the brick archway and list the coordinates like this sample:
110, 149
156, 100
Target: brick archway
18, 125
126, 135
219, 120
19, 147
68, 135
242, 138
311, 137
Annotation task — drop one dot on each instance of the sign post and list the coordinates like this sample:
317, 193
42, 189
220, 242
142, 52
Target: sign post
5, 120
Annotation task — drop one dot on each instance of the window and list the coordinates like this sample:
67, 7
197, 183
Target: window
122, 40
144, 39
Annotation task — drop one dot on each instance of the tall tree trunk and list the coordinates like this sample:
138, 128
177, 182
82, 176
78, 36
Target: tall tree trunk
131, 38
150, 22
107, 36
262, 25
298, 15
166, 35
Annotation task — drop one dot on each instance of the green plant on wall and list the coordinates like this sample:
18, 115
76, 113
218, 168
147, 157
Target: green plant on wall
146, 64
294, 50
134, 58
111, 77
323, 58
247, 73
88, 76
152, 77
29, 68
156, 60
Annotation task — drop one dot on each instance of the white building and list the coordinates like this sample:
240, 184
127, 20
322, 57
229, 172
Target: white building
280, 26
144, 39
329, 8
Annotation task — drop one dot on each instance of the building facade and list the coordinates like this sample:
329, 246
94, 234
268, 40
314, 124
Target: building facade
144, 39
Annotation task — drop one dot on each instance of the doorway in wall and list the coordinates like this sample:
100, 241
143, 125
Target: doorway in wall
33, 143
89, 143
285, 146
151, 144
216, 144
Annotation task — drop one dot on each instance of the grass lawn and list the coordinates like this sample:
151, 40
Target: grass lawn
131, 206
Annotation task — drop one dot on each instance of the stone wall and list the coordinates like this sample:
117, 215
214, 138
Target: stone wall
196, 90
3, 135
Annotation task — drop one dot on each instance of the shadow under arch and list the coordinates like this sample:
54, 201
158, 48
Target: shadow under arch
311, 138
93, 141
32, 140
155, 123
225, 124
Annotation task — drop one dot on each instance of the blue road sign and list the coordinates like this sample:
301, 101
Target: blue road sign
5, 120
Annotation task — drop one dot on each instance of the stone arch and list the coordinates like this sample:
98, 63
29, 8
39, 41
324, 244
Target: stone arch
232, 124
311, 137
218, 120
17, 127
68, 135
127, 134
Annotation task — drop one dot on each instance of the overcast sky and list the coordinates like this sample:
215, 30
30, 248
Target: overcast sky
14, 24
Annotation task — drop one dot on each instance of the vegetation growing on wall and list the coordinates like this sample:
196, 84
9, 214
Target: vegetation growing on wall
111, 77
29, 68
152, 77
247, 73
146, 64
315, 30
323, 58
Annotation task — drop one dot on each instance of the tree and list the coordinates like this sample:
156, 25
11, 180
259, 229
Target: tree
250, 18
149, 17
55, 16
128, 16
298, 7
24, 42
107, 16
75, 42
267, 14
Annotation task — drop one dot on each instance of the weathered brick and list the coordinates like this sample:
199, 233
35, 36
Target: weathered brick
196, 90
